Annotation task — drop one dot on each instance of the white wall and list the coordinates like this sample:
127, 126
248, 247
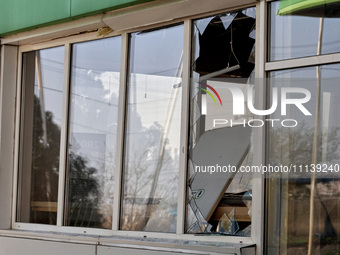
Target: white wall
25, 246
8, 84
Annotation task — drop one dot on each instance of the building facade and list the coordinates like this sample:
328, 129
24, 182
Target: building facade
169, 126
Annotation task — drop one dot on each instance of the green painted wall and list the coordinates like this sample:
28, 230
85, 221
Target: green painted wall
22, 15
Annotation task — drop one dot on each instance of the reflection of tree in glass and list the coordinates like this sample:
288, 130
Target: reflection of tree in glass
94, 108
142, 212
295, 146
83, 187
45, 163
83, 194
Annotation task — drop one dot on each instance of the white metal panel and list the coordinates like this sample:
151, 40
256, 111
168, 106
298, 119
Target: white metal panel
150, 244
181, 209
63, 142
219, 147
172, 11
302, 62
16, 246
106, 250
7, 127
120, 131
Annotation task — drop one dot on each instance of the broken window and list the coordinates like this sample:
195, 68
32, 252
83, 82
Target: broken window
223, 59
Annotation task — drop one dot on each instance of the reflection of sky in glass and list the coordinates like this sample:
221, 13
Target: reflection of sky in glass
152, 56
95, 84
93, 122
295, 78
155, 59
52, 69
99, 59
153, 130
330, 84
94, 94
329, 95
298, 36
306, 78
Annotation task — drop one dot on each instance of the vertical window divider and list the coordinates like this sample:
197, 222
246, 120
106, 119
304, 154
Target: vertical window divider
181, 209
63, 137
120, 132
17, 134
257, 221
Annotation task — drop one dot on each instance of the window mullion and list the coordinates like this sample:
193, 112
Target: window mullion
181, 211
120, 132
63, 138
259, 133
9, 62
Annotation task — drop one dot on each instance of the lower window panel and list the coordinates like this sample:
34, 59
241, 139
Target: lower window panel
303, 208
150, 183
42, 86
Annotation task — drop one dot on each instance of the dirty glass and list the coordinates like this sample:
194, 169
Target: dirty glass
42, 88
291, 197
297, 34
219, 197
95, 73
152, 136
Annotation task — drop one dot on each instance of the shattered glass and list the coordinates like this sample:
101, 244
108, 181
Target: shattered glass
223, 54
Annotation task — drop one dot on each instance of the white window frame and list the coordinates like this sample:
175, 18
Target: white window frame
29, 39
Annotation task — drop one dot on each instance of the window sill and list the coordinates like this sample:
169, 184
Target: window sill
177, 244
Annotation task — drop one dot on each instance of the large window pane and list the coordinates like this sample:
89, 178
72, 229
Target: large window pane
312, 141
153, 131
223, 57
92, 133
42, 85
297, 34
